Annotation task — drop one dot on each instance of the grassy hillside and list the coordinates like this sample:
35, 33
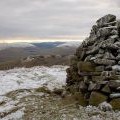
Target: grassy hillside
46, 60
11, 54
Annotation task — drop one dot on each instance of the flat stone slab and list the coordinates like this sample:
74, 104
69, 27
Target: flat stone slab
115, 95
96, 98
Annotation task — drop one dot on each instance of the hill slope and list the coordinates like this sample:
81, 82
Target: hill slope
28, 93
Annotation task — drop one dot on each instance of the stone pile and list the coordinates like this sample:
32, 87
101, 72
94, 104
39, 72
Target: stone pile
94, 73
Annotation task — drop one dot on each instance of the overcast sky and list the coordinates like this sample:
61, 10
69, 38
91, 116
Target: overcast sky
52, 18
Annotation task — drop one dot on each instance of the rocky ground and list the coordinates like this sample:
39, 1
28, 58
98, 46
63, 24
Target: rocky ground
43, 106
32, 96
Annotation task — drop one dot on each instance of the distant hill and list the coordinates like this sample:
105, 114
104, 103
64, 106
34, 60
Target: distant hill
15, 51
48, 45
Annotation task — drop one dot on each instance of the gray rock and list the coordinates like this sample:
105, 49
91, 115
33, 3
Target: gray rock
91, 40
96, 79
103, 82
85, 67
105, 106
110, 24
94, 50
104, 62
91, 86
118, 77
99, 68
99, 56
114, 36
108, 68
82, 54
109, 56
103, 32
118, 26
118, 88
114, 32
118, 57
117, 43
109, 46
94, 86
116, 68
101, 51
86, 79
114, 84
118, 50
93, 31
118, 62
111, 27
106, 89
115, 95
110, 40
106, 19
87, 59
95, 28
107, 75
117, 72
82, 86
89, 74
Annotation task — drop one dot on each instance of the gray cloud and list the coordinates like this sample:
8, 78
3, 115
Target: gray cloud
49, 18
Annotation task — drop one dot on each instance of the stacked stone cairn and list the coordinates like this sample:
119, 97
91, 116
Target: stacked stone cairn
94, 73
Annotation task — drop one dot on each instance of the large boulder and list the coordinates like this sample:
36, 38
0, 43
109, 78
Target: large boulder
96, 98
85, 67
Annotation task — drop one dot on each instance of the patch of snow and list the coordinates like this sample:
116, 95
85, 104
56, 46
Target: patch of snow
7, 106
23, 45
14, 116
14, 45
70, 44
28, 78
115, 95
104, 106
114, 36
116, 67
28, 59
93, 58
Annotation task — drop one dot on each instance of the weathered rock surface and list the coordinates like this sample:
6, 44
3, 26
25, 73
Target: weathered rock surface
115, 103
97, 98
105, 20
95, 68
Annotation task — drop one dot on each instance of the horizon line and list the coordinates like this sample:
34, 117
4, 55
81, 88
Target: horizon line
31, 39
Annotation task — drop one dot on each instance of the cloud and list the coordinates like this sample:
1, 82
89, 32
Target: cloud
49, 18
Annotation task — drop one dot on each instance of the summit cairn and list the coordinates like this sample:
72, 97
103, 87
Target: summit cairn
94, 73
